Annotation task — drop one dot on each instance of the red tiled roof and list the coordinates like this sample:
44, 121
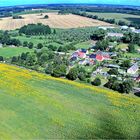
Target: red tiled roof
99, 57
81, 54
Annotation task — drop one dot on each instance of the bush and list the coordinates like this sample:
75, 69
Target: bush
96, 82
82, 76
113, 71
40, 46
46, 16
73, 74
30, 45
1, 58
59, 71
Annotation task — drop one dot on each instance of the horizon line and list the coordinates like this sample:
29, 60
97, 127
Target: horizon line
68, 4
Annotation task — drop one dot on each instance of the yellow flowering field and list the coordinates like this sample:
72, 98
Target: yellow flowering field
38, 106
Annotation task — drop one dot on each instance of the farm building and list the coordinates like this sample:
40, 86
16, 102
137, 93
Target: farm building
124, 27
119, 35
133, 69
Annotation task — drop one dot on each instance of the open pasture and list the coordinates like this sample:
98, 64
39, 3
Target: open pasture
37, 106
9, 52
118, 16
54, 21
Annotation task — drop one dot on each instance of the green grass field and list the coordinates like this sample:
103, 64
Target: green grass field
38, 11
33, 39
84, 45
9, 52
35, 106
118, 16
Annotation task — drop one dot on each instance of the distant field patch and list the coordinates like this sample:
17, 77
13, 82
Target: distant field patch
84, 45
54, 21
118, 16
9, 52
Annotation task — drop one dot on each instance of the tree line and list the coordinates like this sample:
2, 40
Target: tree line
35, 29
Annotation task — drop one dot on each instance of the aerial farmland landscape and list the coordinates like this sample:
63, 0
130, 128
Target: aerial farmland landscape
69, 70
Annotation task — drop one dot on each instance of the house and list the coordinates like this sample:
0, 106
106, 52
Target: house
132, 29
82, 62
81, 54
138, 79
133, 69
137, 31
91, 62
118, 35
99, 57
104, 28
124, 27
84, 51
92, 56
73, 58
75, 54
106, 55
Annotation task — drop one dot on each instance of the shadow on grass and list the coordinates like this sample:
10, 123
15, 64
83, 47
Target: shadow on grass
107, 127
137, 94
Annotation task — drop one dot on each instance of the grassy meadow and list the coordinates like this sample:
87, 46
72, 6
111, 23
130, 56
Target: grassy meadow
8, 52
36, 11
84, 45
37, 106
118, 16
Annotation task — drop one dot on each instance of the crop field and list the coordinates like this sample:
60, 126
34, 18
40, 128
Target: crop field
118, 16
54, 21
9, 52
37, 106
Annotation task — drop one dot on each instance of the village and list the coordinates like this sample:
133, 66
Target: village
113, 54
103, 63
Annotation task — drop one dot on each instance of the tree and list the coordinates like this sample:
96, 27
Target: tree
30, 45
46, 16
127, 86
121, 23
52, 47
17, 17
102, 44
31, 59
54, 31
126, 64
14, 59
59, 70
62, 49
49, 69
1, 58
23, 56
82, 76
39, 46
35, 29
44, 57
73, 74
99, 34
96, 82
113, 71
25, 44
131, 48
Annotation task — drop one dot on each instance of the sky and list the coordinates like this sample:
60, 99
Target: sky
23, 2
